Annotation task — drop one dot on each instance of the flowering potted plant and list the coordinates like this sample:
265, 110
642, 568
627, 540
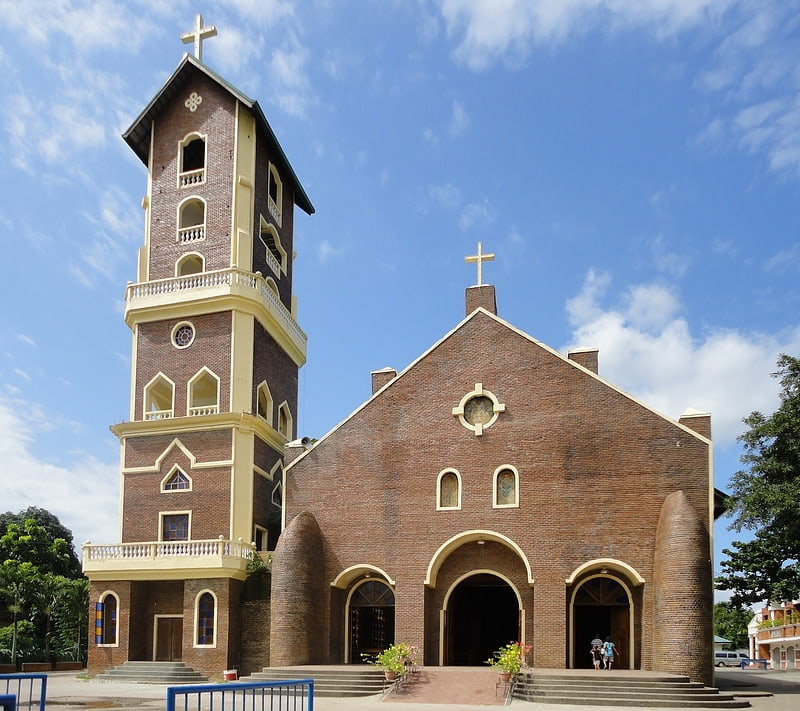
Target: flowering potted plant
509, 659
392, 660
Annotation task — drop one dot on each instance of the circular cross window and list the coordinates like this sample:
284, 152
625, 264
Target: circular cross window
183, 335
479, 410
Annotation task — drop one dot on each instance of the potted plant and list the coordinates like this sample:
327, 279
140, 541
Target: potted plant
509, 659
392, 660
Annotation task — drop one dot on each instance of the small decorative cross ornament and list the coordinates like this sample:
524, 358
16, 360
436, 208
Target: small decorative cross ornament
197, 35
480, 257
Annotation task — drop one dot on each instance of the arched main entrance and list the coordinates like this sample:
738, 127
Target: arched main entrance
371, 619
482, 615
600, 607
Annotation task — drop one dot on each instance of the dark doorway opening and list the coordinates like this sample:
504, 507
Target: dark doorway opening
371, 620
601, 609
482, 616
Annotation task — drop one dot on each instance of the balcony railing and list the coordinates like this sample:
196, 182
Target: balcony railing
203, 410
219, 280
173, 555
192, 177
195, 233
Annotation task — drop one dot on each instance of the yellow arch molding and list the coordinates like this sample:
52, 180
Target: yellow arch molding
603, 565
348, 575
466, 537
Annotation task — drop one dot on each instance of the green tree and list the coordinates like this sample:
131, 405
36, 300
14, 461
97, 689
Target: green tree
17, 581
54, 528
29, 542
71, 620
730, 622
765, 500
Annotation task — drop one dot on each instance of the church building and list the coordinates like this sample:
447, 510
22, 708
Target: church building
493, 490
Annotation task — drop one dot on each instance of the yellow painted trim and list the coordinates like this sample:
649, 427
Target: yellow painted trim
244, 171
354, 572
460, 539
242, 475
208, 301
609, 564
241, 362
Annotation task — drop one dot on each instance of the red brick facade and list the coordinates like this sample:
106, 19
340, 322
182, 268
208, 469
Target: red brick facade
614, 500
229, 455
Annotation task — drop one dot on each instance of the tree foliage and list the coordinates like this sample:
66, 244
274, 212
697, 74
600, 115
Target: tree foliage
43, 593
730, 622
765, 499
48, 529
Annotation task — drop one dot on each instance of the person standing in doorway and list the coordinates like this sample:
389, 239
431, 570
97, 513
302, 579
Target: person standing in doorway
609, 652
598, 642
597, 656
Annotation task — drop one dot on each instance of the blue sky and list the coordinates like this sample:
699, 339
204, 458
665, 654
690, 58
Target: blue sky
634, 165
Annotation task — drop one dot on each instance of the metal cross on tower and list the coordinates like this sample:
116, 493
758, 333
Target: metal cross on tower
480, 257
197, 35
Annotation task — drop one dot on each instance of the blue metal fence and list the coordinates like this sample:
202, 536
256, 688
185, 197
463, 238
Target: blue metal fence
291, 695
8, 702
30, 690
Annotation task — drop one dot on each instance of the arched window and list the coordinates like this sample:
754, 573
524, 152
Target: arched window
190, 264
206, 613
285, 422
506, 488
106, 619
204, 393
159, 398
448, 490
264, 403
191, 220
192, 160
275, 190
274, 252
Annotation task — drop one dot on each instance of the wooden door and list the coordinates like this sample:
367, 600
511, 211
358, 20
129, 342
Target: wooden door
169, 639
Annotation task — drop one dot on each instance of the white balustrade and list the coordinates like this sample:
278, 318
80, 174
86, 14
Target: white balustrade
219, 278
195, 233
192, 177
152, 550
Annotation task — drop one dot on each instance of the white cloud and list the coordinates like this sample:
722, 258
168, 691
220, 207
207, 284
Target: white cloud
648, 350
475, 214
459, 121
287, 70
492, 30
87, 484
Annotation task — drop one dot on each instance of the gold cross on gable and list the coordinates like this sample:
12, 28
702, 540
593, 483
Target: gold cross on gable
197, 35
480, 257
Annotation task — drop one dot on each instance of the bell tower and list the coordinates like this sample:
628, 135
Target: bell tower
216, 351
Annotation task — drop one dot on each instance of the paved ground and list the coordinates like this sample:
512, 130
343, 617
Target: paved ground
766, 691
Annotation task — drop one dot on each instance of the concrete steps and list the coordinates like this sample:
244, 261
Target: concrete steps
153, 673
351, 680
618, 689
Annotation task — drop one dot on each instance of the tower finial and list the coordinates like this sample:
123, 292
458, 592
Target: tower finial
197, 35
480, 257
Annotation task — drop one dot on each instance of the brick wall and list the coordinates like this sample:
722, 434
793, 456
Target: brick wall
594, 469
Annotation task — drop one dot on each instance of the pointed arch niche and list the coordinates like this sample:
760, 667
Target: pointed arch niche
159, 398
203, 393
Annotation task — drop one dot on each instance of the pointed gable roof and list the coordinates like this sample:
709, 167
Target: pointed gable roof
481, 312
138, 134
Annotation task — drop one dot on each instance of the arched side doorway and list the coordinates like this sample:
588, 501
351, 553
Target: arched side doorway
601, 606
370, 619
482, 613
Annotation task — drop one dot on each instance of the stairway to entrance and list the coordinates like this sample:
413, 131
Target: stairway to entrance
153, 673
330, 681
621, 688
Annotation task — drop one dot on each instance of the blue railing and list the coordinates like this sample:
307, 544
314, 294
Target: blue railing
8, 702
292, 695
30, 690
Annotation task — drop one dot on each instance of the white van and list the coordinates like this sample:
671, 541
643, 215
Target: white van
729, 659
